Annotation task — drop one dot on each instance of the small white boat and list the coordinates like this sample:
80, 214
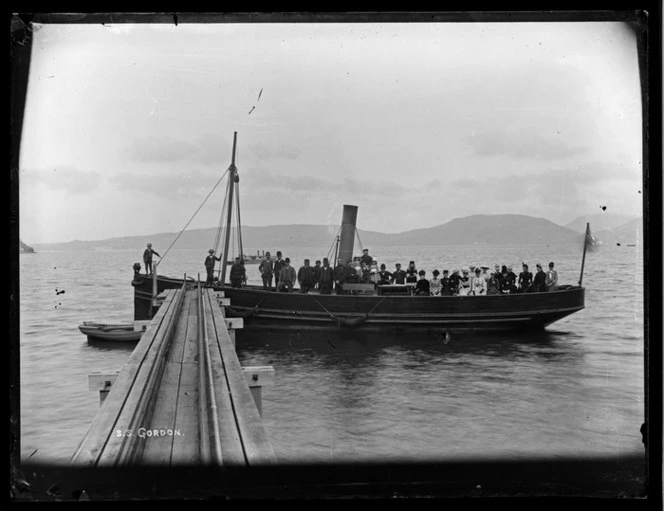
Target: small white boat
126, 332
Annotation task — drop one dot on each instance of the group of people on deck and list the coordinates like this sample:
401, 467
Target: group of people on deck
467, 281
478, 280
322, 277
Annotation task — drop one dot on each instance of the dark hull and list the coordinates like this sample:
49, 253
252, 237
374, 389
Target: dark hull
268, 309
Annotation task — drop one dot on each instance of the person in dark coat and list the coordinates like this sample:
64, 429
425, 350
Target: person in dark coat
399, 276
209, 266
493, 284
445, 285
340, 274
276, 269
287, 277
385, 277
325, 278
423, 286
539, 281
316, 272
267, 269
511, 276
305, 277
525, 279
455, 279
238, 273
366, 259
411, 273
147, 258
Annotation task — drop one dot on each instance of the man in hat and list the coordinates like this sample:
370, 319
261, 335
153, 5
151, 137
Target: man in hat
366, 259
147, 258
315, 271
266, 268
325, 278
238, 273
276, 269
341, 273
305, 277
209, 266
384, 276
287, 276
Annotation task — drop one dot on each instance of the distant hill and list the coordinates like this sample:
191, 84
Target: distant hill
25, 249
629, 233
599, 222
476, 229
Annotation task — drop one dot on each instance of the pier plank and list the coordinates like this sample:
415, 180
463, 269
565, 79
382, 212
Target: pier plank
231, 441
158, 448
258, 449
186, 435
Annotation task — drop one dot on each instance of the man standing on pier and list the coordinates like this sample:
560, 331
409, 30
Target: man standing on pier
147, 258
209, 266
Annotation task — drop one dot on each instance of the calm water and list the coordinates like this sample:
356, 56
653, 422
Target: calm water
576, 390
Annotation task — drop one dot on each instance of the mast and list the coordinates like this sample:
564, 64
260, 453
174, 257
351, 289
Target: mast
232, 176
347, 240
585, 246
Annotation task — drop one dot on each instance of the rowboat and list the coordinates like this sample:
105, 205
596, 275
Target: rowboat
368, 306
125, 332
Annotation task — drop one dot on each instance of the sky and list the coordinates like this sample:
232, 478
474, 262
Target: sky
128, 128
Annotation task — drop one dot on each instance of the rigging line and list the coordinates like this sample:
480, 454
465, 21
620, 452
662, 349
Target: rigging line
357, 233
336, 238
195, 213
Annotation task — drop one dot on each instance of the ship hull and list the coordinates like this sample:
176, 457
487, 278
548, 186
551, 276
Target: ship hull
268, 309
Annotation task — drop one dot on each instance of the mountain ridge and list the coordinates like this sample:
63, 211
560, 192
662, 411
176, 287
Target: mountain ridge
504, 229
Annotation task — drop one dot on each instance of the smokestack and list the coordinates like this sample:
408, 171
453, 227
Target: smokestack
347, 238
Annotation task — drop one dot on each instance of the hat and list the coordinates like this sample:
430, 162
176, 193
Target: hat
551, 264
445, 271
478, 270
366, 250
382, 266
278, 252
464, 269
497, 267
435, 272
287, 260
398, 264
211, 251
538, 265
509, 268
267, 253
485, 267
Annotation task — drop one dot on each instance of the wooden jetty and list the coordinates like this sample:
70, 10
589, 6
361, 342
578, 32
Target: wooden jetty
182, 399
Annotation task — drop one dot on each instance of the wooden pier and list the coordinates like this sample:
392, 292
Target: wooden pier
182, 399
